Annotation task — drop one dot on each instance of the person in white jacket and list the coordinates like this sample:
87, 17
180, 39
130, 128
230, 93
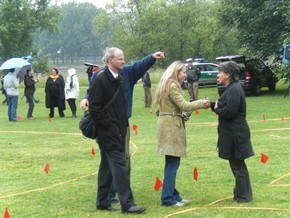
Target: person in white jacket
72, 90
10, 84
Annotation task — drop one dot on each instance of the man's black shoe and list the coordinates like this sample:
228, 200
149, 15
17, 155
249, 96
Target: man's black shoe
111, 208
115, 201
135, 209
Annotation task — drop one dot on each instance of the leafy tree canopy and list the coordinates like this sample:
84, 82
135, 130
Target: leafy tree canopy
180, 28
263, 25
19, 20
74, 39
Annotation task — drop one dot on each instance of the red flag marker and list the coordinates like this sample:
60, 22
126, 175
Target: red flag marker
283, 118
19, 118
264, 158
196, 112
195, 174
264, 117
47, 168
134, 127
6, 214
93, 151
49, 119
158, 184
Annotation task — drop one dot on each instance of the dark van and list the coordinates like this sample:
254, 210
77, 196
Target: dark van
254, 74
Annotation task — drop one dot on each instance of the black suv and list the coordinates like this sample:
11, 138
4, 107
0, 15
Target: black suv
254, 75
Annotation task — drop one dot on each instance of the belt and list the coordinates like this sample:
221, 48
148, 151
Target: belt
170, 114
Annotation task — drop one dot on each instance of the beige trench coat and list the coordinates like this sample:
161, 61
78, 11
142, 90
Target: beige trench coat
170, 125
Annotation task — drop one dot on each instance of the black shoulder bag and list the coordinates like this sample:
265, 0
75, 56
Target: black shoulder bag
87, 124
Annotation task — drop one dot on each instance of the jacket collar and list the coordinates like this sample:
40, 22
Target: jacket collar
109, 74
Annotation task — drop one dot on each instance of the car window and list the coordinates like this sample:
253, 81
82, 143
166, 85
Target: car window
199, 67
211, 68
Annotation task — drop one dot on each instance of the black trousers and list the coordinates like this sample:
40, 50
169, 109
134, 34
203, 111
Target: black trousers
53, 103
30, 101
72, 105
242, 189
112, 194
113, 168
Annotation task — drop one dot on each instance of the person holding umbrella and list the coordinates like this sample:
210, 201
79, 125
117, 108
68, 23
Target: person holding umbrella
29, 90
11, 83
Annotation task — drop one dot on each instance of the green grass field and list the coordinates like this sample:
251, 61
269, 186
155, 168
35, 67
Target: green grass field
69, 189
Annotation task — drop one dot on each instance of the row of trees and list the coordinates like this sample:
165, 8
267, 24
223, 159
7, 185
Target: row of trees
19, 21
74, 39
181, 28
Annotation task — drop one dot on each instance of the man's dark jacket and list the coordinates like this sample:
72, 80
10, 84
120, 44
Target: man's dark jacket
131, 74
112, 123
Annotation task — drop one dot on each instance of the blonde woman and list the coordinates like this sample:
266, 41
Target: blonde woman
171, 128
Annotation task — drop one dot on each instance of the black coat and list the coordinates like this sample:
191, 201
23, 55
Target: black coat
54, 93
233, 130
29, 83
112, 123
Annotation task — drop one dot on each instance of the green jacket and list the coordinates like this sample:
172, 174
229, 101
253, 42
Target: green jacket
170, 125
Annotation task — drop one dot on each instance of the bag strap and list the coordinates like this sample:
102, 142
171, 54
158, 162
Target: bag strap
112, 99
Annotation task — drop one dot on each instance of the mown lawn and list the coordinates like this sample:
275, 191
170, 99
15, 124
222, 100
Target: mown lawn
69, 188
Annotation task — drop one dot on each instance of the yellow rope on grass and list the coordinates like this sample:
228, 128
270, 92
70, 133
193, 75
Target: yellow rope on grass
61, 183
49, 187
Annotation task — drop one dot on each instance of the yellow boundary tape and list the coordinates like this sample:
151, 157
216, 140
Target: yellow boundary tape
209, 206
281, 137
276, 180
136, 150
237, 208
61, 183
34, 132
48, 187
267, 130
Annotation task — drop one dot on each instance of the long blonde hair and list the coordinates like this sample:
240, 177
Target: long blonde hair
170, 75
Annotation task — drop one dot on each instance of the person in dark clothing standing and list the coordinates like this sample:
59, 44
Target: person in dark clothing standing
234, 142
112, 123
146, 82
192, 78
29, 90
131, 74
54, 90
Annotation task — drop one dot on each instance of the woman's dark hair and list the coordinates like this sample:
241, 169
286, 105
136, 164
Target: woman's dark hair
56, 70
28, 70
231, 68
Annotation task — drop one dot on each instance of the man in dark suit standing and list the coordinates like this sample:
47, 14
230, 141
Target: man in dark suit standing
112, 126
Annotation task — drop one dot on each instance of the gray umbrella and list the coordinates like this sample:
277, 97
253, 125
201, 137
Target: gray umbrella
21, 72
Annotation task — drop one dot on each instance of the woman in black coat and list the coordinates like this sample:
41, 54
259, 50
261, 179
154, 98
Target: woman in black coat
54, 90
234, 142
29, 90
